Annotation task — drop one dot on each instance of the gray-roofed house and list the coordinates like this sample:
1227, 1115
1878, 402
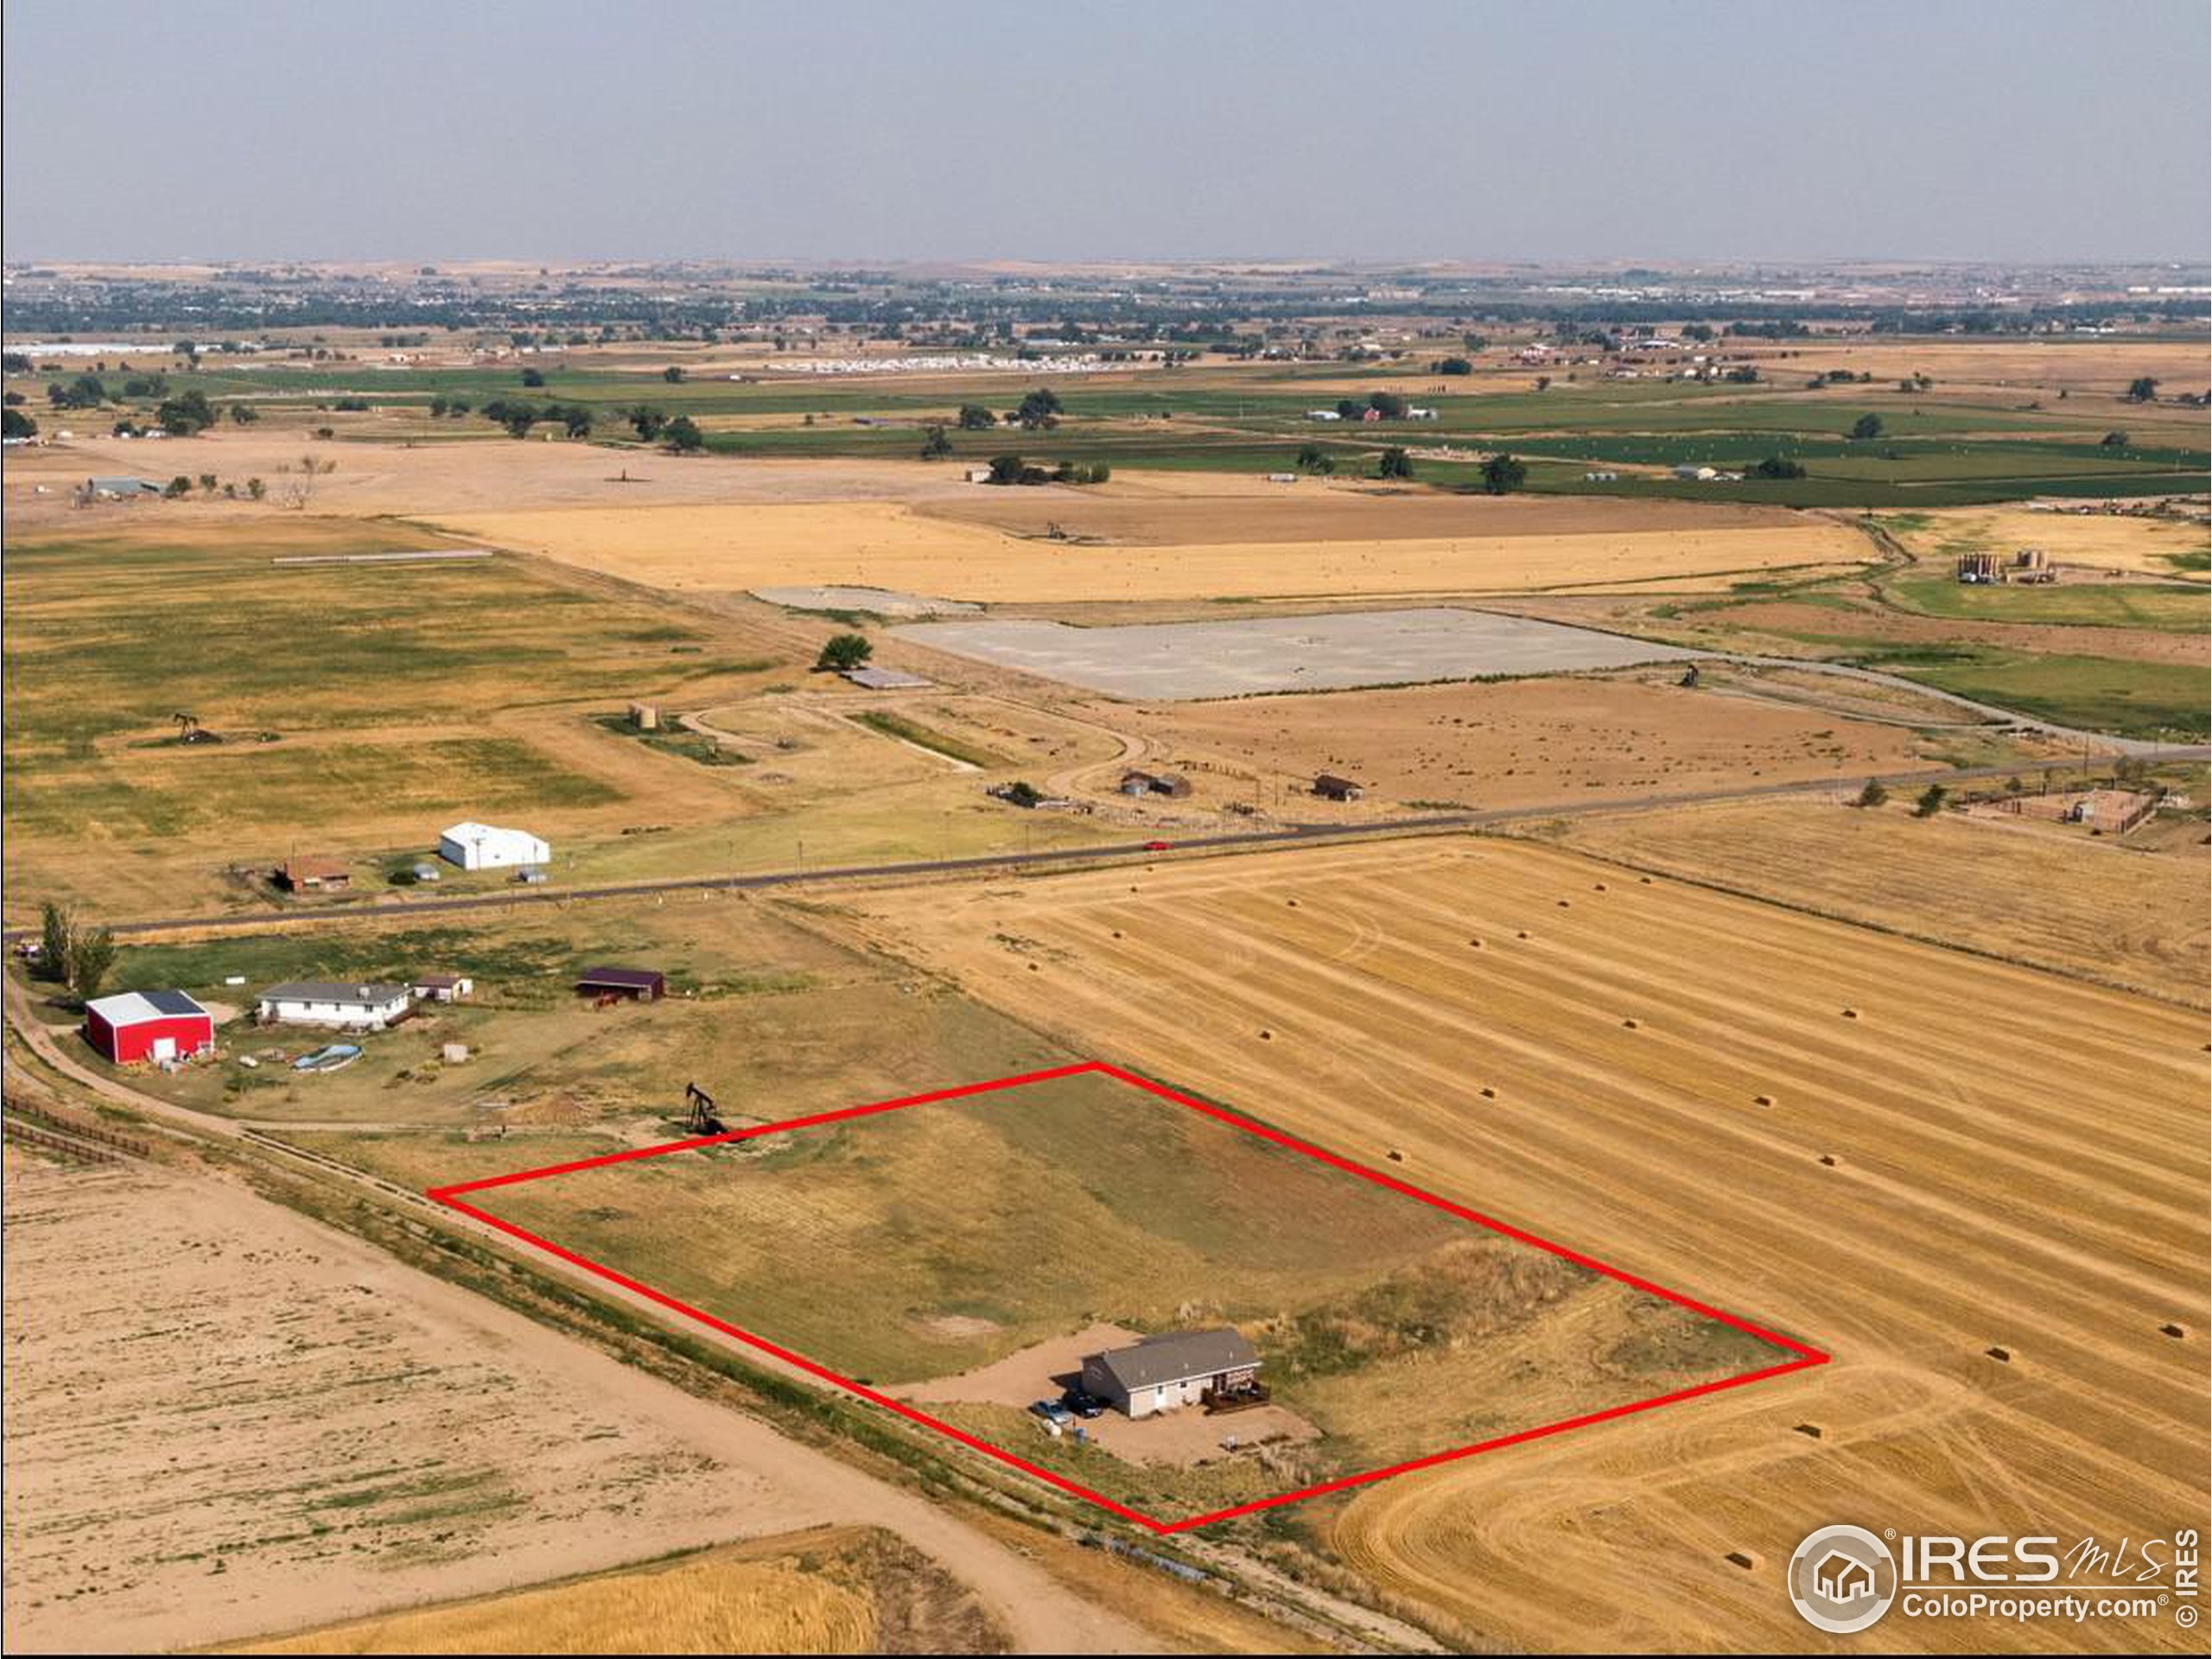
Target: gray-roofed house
1177, 1368
323, 1003
124, 488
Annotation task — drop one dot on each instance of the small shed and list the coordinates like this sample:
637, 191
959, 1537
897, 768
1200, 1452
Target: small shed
154, 1025
1171, 783
441, 987
1331, 787
637, 984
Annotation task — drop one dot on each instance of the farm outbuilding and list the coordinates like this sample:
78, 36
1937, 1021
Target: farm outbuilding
1331, 787
154, 1025
313, 875
638, 984
487, 846
322, 1002
1179, 1367
441, 987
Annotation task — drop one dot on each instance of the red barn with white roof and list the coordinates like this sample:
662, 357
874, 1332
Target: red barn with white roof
148, 1026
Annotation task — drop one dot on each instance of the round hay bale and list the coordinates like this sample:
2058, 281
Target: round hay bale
1522, 934
1631, 1025
1851, 1013
1489, 1093
1476, 943
1266, 1036
1761, 1100
1397, 1157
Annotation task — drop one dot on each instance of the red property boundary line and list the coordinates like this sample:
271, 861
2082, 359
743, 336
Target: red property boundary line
1803, 1356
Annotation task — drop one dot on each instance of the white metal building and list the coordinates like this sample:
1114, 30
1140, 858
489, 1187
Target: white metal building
486, 847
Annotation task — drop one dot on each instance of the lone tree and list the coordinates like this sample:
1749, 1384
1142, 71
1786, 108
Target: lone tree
684, 436
57, 926
935, 445
973, 417
1039, 408
1873, 795
1503, 475
18, 424
1930, 802
86, 966
2142, 390
1005, 470
1312, 458
647, 422
1394, 463
843, 651
1867, 428
1777, 467
2114, 439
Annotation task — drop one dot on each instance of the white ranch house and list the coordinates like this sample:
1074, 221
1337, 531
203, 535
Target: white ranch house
320, 1002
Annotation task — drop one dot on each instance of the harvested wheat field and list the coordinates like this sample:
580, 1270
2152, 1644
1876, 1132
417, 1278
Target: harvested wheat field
841, 1590
2094, 909
1523, 742
877, 544
1906, 1156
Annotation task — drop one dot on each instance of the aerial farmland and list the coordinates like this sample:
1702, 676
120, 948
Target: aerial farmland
918, 952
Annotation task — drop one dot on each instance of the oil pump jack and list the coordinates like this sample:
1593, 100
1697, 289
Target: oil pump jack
699, 1111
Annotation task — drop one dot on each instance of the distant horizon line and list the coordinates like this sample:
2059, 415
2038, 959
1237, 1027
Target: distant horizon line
1288, 261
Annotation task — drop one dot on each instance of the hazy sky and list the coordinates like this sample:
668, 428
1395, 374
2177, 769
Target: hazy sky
958, 128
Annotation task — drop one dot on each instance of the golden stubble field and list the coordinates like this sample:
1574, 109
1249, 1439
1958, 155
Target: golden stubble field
2105, 910
1958, 1156
736, 547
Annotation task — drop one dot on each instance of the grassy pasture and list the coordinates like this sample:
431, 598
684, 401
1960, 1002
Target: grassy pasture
114, 634
2167, 609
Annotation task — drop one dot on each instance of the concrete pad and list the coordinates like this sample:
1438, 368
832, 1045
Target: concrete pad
1176, 662
883, 602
